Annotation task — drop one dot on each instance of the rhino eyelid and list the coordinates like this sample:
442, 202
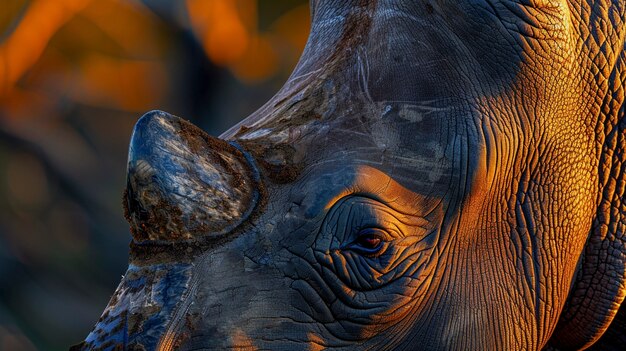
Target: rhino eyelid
370, 241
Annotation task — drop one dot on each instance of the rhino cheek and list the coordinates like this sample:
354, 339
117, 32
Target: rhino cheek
238, 299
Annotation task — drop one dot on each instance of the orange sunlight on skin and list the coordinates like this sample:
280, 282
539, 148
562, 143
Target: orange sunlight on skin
315, 343
167, 341
242, 342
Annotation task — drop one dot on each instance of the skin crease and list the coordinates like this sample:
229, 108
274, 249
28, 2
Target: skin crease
479, 141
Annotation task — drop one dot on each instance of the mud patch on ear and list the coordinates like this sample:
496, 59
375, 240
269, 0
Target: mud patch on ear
281, 163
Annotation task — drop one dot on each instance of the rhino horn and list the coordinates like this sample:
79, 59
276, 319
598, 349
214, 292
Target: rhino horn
183, 184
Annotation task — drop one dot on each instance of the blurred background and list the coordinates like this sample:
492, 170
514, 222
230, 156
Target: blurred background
75, 75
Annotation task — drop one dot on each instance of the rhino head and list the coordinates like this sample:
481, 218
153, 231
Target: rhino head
434, 175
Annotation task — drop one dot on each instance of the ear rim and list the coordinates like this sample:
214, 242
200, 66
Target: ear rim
614, 338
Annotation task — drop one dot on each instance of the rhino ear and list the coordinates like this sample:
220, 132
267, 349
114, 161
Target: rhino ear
614, 338
600, 284
184, 185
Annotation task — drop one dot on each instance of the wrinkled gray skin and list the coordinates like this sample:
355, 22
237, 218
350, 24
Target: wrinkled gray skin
434, 175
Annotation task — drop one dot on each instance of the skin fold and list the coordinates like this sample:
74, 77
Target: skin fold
435, 175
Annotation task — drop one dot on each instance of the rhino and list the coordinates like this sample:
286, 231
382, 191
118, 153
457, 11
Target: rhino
434, 175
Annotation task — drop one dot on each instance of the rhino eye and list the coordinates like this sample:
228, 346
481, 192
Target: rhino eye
369, 241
